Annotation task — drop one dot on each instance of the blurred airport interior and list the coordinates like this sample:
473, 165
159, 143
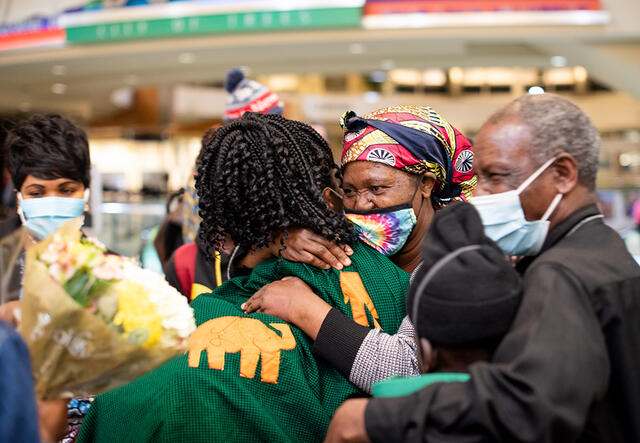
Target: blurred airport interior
145, 78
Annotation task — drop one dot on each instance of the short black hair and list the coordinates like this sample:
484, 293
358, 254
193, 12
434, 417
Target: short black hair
262, 174
48, 146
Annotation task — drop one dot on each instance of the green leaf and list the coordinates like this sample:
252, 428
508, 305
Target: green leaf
75, 287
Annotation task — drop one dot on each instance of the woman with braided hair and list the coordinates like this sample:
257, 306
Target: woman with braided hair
275, 174
400, 165
252, 377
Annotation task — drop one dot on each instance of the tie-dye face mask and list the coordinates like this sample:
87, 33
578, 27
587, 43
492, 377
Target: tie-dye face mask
385, 230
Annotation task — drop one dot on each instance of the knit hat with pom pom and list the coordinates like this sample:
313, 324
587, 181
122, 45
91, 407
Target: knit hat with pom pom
465, 293
249, 96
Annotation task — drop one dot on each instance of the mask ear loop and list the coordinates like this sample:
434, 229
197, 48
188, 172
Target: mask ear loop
20, 212
552, 207
535, 175
87, 197
414, 196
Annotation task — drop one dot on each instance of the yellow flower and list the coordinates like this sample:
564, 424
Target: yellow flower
137, 315
81, 253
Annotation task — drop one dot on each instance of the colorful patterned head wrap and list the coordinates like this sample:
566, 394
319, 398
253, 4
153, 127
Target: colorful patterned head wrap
415, 139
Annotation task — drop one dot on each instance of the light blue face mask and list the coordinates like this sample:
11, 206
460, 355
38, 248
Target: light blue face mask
504, 221
44, 215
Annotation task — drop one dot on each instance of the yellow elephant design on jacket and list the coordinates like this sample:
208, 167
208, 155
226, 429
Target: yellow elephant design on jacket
251, 337
357, 296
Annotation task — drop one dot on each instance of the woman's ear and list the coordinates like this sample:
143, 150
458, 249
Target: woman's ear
333, 199
565, 171
427, 182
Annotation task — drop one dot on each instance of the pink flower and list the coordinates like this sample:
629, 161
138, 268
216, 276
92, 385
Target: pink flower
61, 272
110, 269
56, 252
97, 243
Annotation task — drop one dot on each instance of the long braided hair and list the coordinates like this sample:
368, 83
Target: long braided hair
262, 174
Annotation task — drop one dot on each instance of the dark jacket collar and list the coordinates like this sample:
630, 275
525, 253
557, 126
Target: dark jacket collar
559, 232
10, 224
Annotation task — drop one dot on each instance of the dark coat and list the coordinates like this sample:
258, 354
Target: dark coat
568, 370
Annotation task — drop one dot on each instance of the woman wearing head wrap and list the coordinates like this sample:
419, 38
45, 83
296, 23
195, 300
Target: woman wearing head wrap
400, 164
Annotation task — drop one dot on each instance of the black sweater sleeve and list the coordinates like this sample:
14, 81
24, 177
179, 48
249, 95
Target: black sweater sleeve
339, 340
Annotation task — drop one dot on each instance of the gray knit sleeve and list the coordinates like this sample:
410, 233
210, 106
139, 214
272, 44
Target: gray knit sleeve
382, 355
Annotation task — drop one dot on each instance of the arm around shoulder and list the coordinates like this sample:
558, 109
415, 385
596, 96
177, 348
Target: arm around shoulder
545, 376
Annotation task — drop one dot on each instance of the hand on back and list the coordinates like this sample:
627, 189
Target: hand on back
304, 246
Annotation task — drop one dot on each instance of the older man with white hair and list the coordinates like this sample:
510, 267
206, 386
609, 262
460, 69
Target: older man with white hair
569, 369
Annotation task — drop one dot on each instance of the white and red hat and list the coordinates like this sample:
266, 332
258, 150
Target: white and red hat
249, 96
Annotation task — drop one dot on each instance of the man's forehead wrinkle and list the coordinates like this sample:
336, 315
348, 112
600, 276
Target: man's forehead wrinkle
506, 136
509, 132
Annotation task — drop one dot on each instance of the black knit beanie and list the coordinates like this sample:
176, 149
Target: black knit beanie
465, 293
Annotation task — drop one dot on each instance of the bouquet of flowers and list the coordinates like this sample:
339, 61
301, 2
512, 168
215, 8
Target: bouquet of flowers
94, 321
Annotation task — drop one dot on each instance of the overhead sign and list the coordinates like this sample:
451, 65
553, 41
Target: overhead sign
196, 18
374, 7
33, 23
389, 14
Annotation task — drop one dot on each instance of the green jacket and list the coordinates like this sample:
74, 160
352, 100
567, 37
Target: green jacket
251, 377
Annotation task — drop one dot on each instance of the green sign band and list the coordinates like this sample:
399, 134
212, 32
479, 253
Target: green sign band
220, 23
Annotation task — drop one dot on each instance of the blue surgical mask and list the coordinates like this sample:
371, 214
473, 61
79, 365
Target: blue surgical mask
44, 215
385, 230
504, 221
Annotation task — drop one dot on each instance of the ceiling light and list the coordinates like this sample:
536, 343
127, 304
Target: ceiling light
122, 97
186, 58
558, 61
356, 48
625, 159
131, 80
387, 64
378, 76
405, 76
558, 76
58, 69
434, 77
632, 135
371, 97
534, 90
284, 82
456, 75
58, 88
580, 74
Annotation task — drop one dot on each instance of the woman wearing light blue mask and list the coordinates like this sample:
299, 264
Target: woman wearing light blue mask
49, 164
399, 165
50, 168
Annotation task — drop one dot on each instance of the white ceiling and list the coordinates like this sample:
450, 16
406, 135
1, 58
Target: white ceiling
611, 53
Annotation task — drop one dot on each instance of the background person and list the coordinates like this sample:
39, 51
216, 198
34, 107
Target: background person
567, 370
188, 269
632, 238
50, 167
